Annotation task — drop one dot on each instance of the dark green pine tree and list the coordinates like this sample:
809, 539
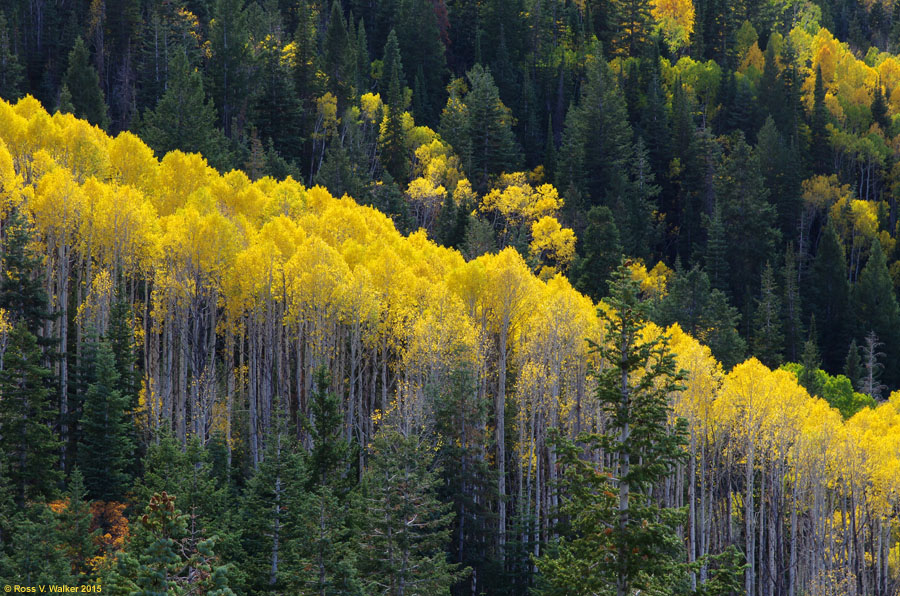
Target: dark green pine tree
880, 114
120, 336
810, 363
747, 215
230, 65
21, 291
363, 62
277, 112
393, 138
75, 534
326, 547
819, 154
28, 443
853, 365
781, 169
613, 512
767, 335
828, 297
337, 56
184, 118
600, 253
596, 151
34, 553
792, 313
423, 56
715, 260
493, 145
703, 312
874, 305
166, 557
83, 83
272, 505
107, 429
404, 528
11, 70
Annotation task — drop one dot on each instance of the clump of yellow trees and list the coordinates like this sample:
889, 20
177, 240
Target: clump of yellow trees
241, 289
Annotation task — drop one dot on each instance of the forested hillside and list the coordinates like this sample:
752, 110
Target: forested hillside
445, 296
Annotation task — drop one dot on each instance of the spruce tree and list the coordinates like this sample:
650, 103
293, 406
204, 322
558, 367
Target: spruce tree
829, 298
184, 118
106, 450
83, 83
393, 138
230, 61
21, 292
493, 144
793, 325
11, 70
404, 528
35, 553
880, 114
601, 251
768, 339
423, 56
76, 537
716, 258
614, 512
853, 365
337, 56
874, 305
28, 443
810, 363
818, 137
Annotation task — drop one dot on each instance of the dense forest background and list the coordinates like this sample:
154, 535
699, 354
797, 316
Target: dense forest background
227, 332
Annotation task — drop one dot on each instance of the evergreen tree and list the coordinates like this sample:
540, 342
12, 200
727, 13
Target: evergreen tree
874, 305
28, 444
423, 56
164, 557
11, 70
716, 257
106, 428
331, 455
337, 57
880, 114
21, 292
35, 554
393, 138
853, 365
829, 297
747, 215
404, 527
781, 169
612, 512
633, 25
810, 363
75, 534
277, 111
230, 62
184, 118
493, 145
83, 83
793, 325
600, 251
872, 367
818, 138
768, 339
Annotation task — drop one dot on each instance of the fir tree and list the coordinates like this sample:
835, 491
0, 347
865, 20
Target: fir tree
11, 69
184, 119
493, 145
829, 297
230, 61
35, 553
612, 512
21, 292
853, 365
393, 137
404, 527
875, 307
28, 444
810, 363
818, 140
715, 260
75, 534
423, 56
106, 428
601, 252
83, 83
337, 56
768, 339
880, 110
793, 325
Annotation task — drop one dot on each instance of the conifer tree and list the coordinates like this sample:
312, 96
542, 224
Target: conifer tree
493, 145
393, 137
83, 83
184, 118
337, 57
230, 61
404, 527
818, 140
601, 253
75, 534
793, 325
880, 110
872, 367
810, 363
620, 539
28, 444
106, 428
11, 69
423, 56
853, 365
35, 554
829, 297
21, 292
715, 259
768, 339
875, 306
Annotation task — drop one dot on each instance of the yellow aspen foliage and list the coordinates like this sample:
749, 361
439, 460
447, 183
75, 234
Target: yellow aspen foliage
552, 245
675, 19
